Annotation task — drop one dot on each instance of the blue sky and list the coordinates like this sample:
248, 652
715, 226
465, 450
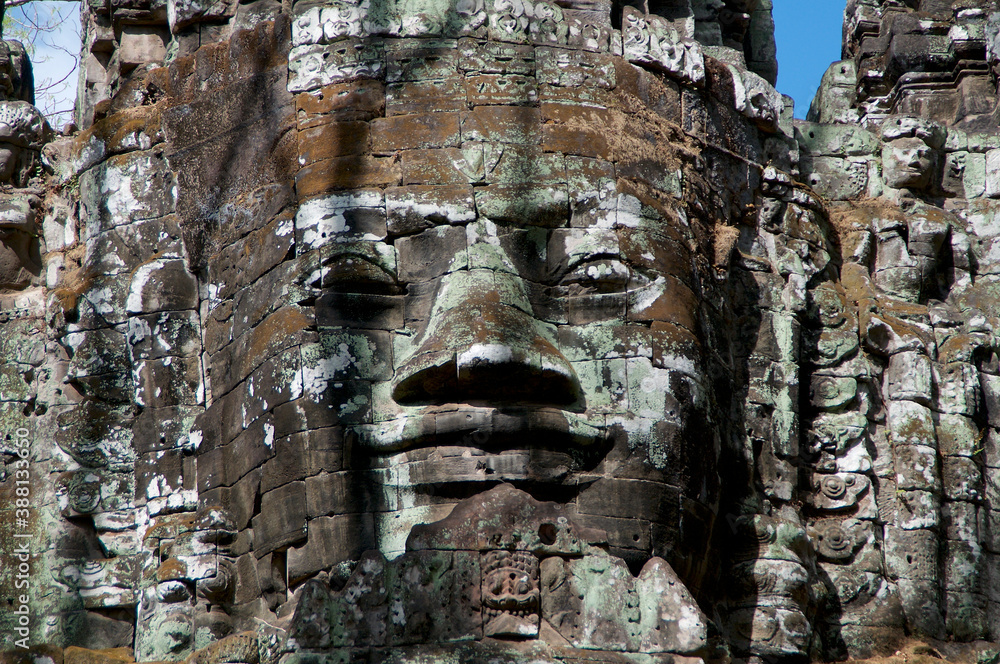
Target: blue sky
53, 52
808, 34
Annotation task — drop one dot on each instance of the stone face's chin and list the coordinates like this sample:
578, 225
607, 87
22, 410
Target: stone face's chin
504, 566
915, 176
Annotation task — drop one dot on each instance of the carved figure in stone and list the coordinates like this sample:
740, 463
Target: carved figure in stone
20, 257
910, 155
514, 310
535, 328
706, 15
16, 78
510, 594
23, 132
508, 300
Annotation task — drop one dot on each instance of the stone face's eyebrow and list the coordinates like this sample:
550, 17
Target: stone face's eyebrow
376, 253
572, 246
347, 217
414, 207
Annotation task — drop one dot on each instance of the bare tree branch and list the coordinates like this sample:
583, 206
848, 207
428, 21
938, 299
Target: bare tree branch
52, 37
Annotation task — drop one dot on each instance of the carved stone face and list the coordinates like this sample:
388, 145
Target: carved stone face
8, 161
23, 132
6, 72
908, 163
18, 255
541, 330
707, 9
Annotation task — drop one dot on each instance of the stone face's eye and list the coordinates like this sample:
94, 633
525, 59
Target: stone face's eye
602, 275
356, 274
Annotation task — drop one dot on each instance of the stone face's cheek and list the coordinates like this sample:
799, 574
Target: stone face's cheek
640, 378
605, 385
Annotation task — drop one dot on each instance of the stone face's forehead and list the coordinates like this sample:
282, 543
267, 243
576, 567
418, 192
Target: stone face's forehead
346, 40
497, 20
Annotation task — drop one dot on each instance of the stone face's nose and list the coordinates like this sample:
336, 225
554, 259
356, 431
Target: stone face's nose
915, 157
483, 345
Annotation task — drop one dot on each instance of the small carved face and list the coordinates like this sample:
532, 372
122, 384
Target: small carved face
510, 593
707, 9
15, 73
8, 161
908, 163
6, 72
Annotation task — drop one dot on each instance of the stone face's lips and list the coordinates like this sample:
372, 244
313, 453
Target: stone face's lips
483, 427
490, 371
533, 466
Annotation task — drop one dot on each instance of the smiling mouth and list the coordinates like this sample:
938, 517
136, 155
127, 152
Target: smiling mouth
493, 428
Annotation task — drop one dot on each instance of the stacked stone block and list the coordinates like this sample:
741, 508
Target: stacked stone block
925, 59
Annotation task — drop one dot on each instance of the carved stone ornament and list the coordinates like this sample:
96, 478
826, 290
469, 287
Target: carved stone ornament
22, 124
649, 39
510, 594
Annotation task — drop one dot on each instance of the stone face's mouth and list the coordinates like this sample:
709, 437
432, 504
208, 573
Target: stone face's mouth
484, 427
914, 170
